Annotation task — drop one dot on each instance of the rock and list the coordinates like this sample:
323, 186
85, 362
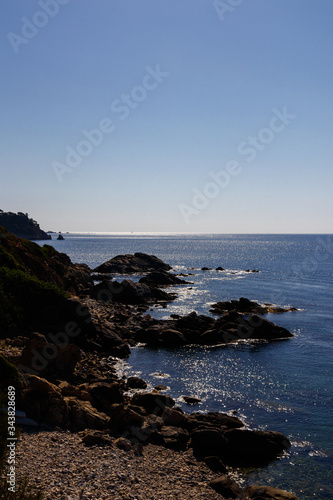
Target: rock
205, 269
245, 448
128, 292
227, 488
43, 401
259, 328
268, 493
215, 464
242, 305
162, 278
190, 400
137, 263
175, 418
77, 392
82, 415
44, 358
214, 419
153, 403
123, 444
101, 277
105, 394
136, 383
109, 340
161, 387
123, 417
174, 438
208, 442
171, 338
219, 268
92, 437
192, 325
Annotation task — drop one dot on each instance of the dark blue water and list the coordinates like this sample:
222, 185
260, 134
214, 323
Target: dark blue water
285, 385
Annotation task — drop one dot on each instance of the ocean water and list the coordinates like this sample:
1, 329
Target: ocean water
284, 385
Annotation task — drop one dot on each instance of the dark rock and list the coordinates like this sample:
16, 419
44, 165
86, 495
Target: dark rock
162, 278
161, 387
123, 417
190, 400
205, 269
226, 487
247, 448
174, 417
101, 277
137, 263
82, 415
242, 305
219, 268
174, 438
153, 403
268, 493
43, 401
92, 437
44, 358
215, 464
192, 325
259, 328
136, 383
123, 444
208, 442
215, 419
105, 394
128, 292
171, 338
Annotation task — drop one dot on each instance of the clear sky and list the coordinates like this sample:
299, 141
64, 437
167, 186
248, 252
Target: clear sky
168, 115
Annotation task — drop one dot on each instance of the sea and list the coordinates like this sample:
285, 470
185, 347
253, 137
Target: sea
284, 385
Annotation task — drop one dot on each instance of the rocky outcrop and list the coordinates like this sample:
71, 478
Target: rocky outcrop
137, 263
23, 227
162, 278
128, 292
227, 487
247, 306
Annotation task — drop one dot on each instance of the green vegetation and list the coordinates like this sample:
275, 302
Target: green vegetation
22, 296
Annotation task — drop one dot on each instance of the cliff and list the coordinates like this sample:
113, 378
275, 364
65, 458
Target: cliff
23, 227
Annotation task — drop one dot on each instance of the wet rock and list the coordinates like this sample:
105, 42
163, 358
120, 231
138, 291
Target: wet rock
191, 400
247, 448
268, 493
137, 263
162, 278
227, 488
171, 338
136, 383
242, 305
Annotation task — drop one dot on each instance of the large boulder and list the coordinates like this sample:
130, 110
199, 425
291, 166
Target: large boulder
246, 448
128, 292
153, 402
82, 415
171, 437
208, 442
137, 263
104, 394
43, 401
44, 358
256, 492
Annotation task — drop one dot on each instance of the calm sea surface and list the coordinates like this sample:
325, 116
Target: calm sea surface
285, 385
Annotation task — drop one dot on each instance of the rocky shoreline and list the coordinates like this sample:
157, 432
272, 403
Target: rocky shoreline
131, 445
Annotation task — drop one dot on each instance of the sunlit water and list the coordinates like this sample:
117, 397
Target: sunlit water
284, 385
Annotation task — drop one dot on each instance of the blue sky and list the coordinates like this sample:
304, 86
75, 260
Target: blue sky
183, 92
